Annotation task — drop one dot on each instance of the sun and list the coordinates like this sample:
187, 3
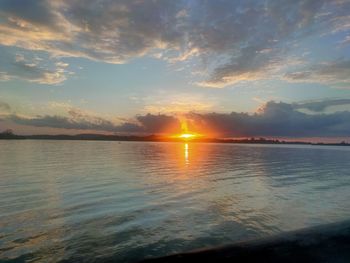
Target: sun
187, 135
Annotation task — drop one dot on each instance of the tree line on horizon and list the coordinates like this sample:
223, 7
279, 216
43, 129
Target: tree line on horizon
9, 134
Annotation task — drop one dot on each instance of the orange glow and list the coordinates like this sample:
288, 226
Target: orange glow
186, 154
184, 127
186, 136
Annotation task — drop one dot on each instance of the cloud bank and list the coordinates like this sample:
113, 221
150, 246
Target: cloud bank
274, 119
235, 40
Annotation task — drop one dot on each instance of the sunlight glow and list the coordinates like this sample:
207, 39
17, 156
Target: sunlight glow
187, 135
186, 154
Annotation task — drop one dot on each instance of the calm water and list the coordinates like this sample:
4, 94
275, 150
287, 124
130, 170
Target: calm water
93, 201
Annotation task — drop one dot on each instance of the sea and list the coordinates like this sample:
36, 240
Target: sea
108, 201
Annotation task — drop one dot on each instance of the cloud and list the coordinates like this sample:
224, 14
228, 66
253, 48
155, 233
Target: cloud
333, 73
235, 40
30, 68
170, 102
346, 40
4, 107
251, 64
78, 119
97, 124
253, 37
38, 12
275, 120
160, 123
321, 106
110, 31
4, 76
144, 124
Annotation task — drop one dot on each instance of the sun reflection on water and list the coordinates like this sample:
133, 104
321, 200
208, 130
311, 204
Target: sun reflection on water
186, 154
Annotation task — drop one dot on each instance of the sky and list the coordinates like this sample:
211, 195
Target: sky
226, 68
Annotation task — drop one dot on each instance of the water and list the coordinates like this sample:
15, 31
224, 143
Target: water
81, 201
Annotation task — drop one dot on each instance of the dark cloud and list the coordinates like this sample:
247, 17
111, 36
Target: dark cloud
320, 106
76, 124
159, 123
36, 11
275, 120
236, 40
79, 120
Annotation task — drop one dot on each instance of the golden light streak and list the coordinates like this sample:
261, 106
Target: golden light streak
184, 126
186, 134
186, 153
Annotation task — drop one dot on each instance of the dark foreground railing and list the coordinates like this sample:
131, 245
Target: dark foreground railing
327, 243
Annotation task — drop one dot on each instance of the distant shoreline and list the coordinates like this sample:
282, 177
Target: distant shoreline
156, 138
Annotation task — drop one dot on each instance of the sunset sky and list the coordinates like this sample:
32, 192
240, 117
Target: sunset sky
227, 68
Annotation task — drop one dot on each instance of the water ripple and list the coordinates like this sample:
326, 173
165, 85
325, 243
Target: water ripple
63, 201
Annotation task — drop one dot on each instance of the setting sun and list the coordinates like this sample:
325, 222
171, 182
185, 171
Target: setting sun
187, 136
